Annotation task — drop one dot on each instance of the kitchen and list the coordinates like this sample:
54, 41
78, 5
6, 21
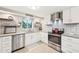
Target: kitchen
39, 29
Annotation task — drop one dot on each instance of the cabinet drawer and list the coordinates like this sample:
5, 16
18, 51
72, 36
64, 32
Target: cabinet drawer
5, 39
66, 50
70, 45
67, 45
70, 49
6, 42
75, 41
6, 45
66, 38
75, 47
66, 42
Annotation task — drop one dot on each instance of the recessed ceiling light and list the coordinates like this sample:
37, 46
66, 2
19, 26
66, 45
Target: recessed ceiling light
33, 7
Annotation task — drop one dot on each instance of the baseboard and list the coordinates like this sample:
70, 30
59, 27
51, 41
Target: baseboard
18, 49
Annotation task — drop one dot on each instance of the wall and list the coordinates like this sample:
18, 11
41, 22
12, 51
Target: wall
17, 20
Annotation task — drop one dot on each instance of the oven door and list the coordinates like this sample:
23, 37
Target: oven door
54, 39
54, 42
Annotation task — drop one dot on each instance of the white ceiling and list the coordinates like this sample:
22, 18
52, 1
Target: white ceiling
42, 11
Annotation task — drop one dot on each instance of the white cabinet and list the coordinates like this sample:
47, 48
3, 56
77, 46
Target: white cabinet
66, 44
71, 15
6, 44
75, 14
31, 38
28, 40
35, 37
66, 16
44, 37
70, 45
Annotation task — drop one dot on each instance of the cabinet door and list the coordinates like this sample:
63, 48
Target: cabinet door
70, 45
75, 44
6, 44
38, 37
75, 14
35, 37
28, 40
66, 16
66, 44
44, 37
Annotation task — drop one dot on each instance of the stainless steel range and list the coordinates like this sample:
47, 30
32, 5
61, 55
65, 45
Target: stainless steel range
54, 41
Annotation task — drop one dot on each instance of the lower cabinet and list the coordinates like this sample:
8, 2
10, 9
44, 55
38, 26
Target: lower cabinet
31, 38
35, 37
28, 40
70, 45
6, 44
44, 37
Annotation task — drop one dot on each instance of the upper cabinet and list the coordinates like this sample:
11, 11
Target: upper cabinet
66, 16
75, 14
71, 15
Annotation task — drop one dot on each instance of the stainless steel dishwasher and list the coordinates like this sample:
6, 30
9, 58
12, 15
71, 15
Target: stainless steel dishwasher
18, 42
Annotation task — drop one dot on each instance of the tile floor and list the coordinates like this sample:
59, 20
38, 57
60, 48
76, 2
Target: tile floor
39, 47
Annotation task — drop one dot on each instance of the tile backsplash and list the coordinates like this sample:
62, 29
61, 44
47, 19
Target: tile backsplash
71, 28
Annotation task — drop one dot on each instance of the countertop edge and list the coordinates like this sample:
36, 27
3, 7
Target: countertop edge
11, 34
72, 36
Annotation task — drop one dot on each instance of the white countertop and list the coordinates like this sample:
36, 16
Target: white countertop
12, 34
71, 35
20, 33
